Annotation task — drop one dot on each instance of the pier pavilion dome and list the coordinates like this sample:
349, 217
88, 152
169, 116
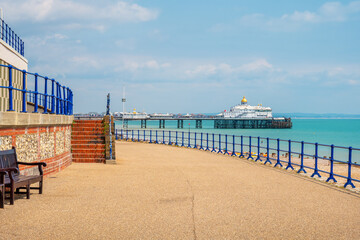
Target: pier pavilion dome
243, 101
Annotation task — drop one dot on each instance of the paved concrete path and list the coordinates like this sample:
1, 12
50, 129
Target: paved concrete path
163, 192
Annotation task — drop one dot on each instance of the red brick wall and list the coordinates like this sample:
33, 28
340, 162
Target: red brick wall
31, 147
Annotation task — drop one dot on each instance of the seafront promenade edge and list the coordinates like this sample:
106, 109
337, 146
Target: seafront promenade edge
275, 152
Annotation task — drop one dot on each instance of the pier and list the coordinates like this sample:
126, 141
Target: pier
220, 123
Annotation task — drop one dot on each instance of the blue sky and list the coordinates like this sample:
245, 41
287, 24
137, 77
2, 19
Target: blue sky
196, 56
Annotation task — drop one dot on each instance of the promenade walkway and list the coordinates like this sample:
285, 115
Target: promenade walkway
163, 192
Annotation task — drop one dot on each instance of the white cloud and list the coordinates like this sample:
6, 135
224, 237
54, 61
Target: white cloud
92, 26
353, 82
41, 41
46, 10
152, 64
223, 68
301, 16
136, 65
328, 12
258, 65
87, 61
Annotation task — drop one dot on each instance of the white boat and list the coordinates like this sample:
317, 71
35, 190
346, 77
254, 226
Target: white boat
133, 115
244, 110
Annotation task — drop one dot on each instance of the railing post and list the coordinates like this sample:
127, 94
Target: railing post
45, 96
64, 101
24, 93
121, 134
182, 139
349, 182
68, 101
195, 140
226, 145
72, 102
201, 142
331, 176
150, 137
219, 151
189, 145
316, 173
250, 154
144, 135
132, 135
60, 100
233, 151
289, 162
138, 135
258, 150
163, 137
52, 96
207, 142
156, 137
241, 147
170, 143
302, 169
278, 154
176, 138
57, 98
116, 134
127, 134
36, 94
267, 152
213, 143
11, 108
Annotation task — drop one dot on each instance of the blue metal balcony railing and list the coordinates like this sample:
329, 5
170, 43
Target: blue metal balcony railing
277, 152
11, 38
54, 98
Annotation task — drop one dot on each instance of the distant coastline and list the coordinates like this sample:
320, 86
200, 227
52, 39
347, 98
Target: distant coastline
318, 115
311, 115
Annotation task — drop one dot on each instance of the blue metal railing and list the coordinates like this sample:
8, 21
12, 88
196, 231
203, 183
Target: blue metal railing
276, 152
57, 101
11, 38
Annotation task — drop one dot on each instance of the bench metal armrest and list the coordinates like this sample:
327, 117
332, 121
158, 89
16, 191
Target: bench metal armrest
32, 163
39, 164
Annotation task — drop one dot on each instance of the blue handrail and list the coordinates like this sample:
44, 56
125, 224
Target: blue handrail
61, 103
11, 38
272, 150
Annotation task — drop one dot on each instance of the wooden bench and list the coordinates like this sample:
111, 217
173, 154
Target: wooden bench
14, 180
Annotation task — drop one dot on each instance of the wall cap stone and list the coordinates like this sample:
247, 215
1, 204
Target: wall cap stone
16, 119
11, 56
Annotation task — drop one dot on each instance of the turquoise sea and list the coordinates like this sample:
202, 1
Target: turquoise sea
340, 132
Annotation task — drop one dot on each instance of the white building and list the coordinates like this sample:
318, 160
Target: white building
133, 115
244, 110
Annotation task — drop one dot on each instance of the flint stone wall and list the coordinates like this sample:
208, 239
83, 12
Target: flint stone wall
50, 144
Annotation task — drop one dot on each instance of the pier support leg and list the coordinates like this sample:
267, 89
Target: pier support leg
162, 123
125, 123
